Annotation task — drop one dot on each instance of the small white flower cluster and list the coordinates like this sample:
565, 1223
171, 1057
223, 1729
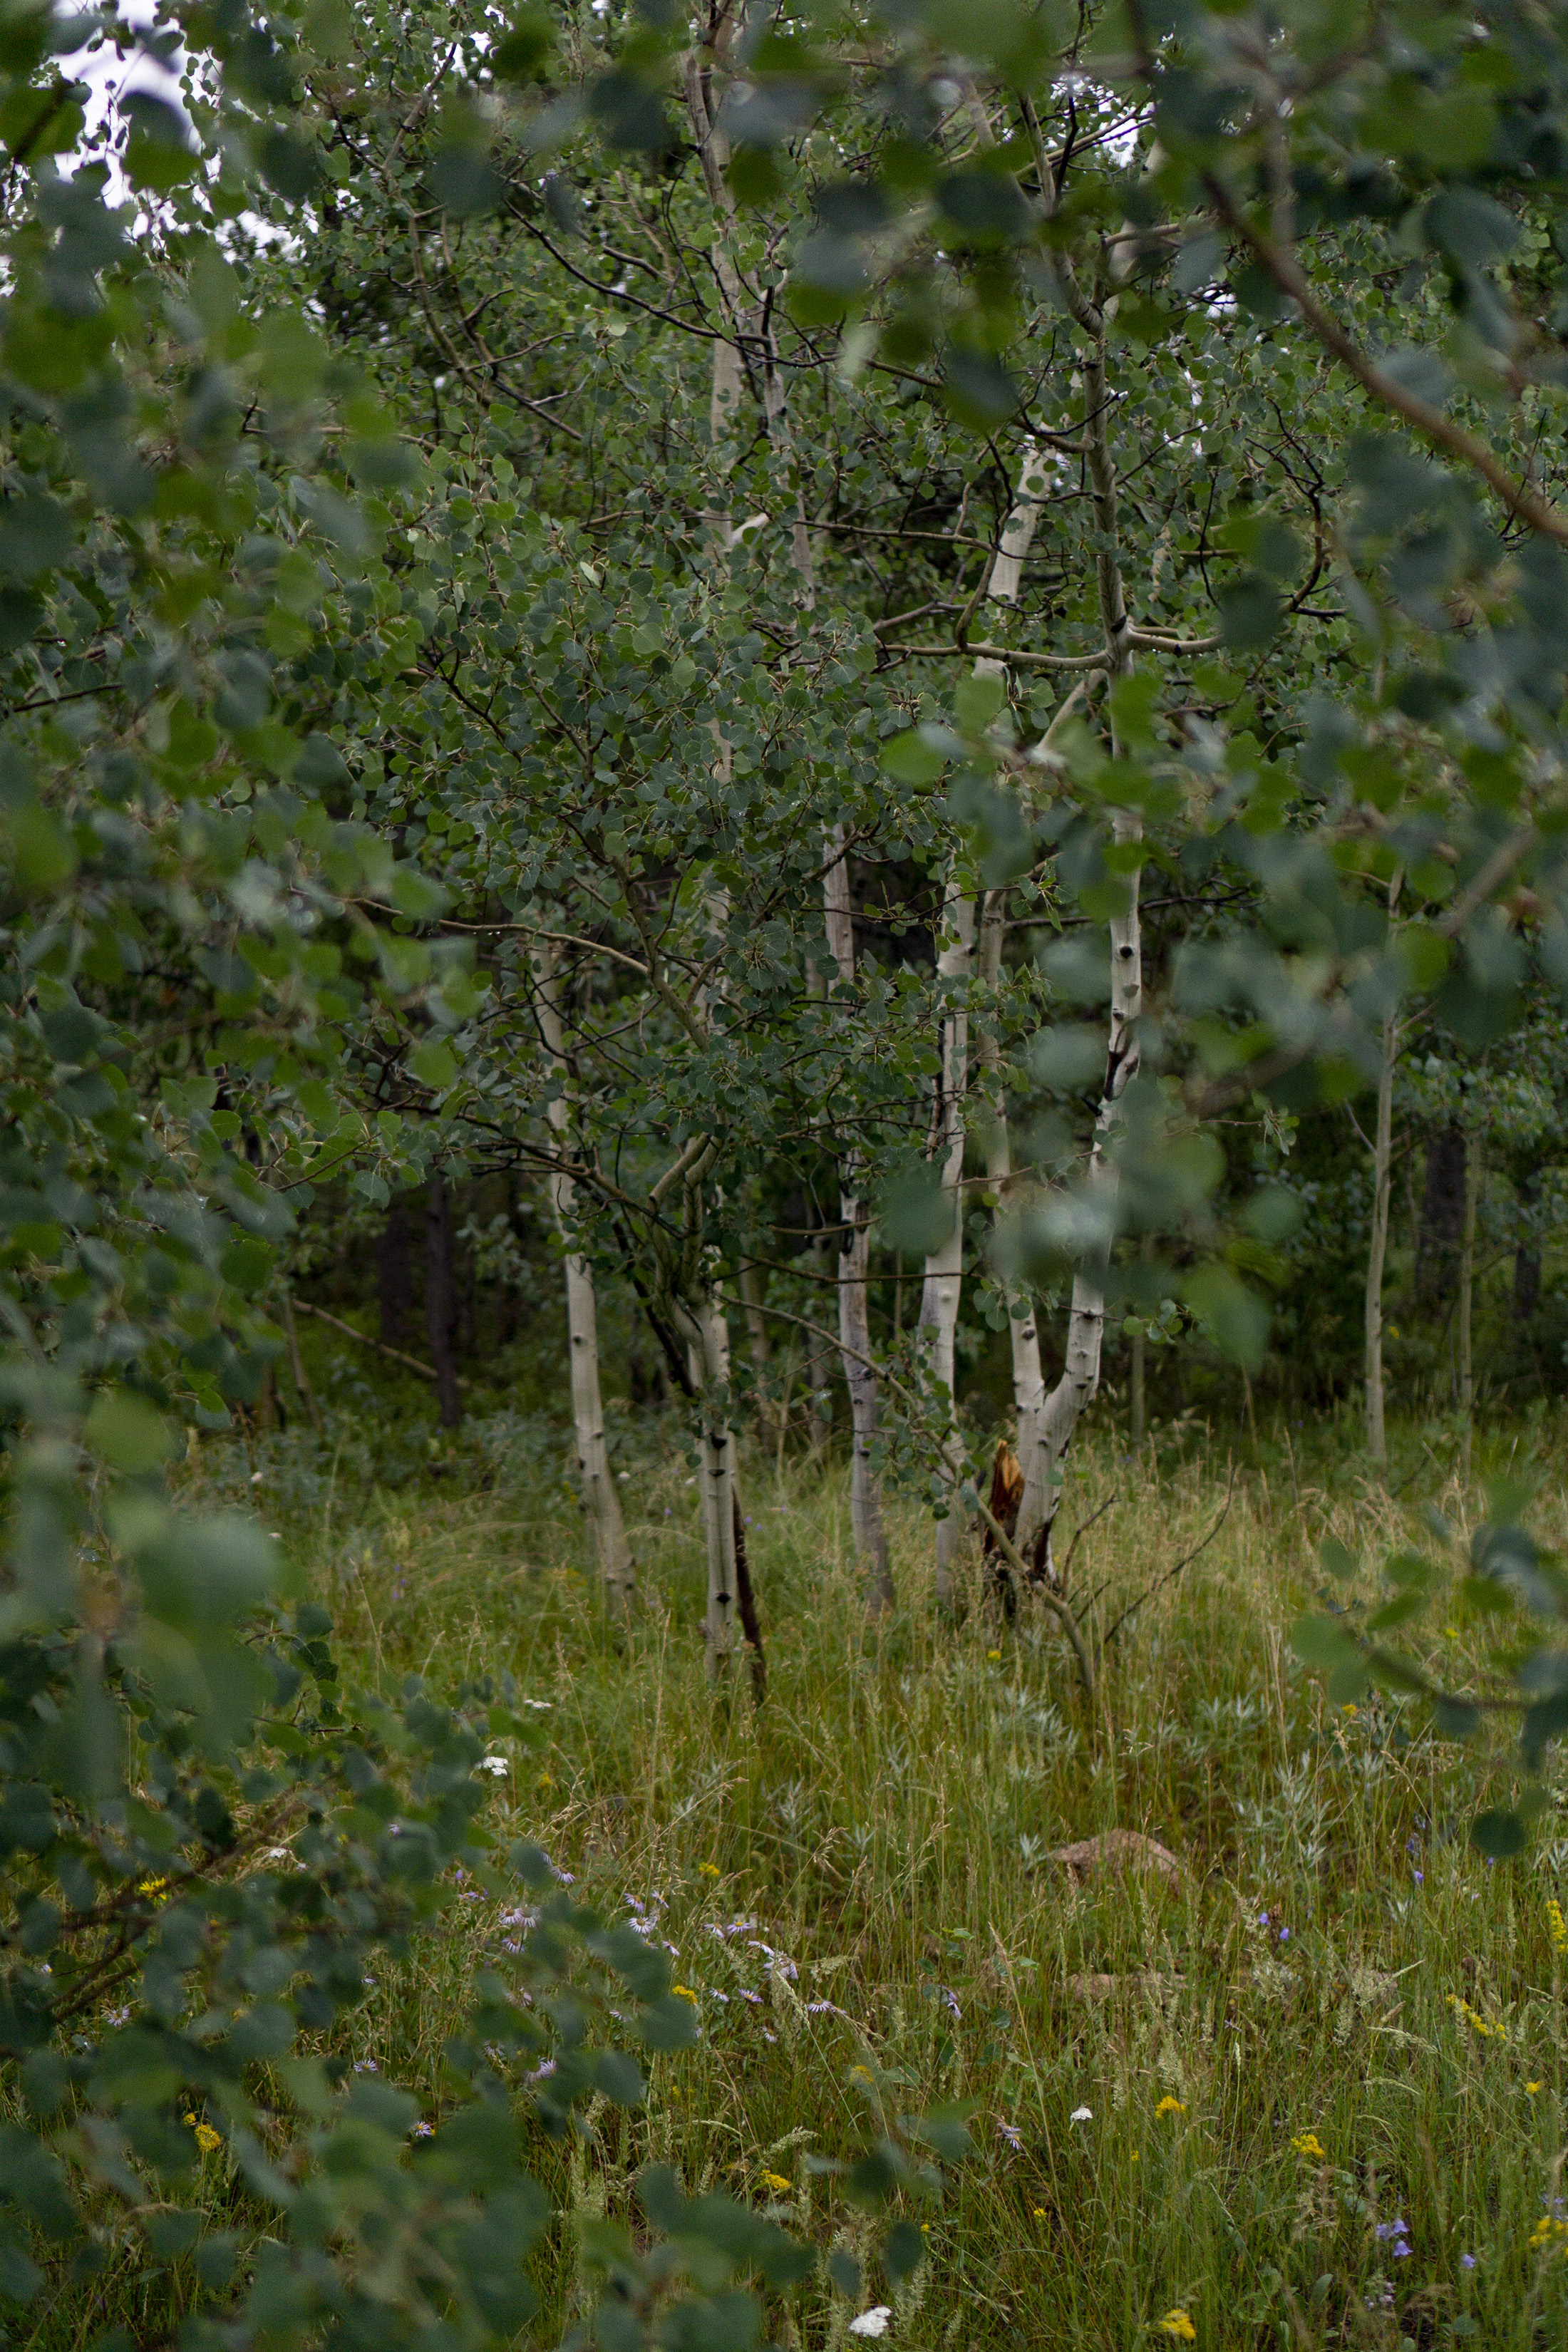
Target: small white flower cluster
873, 2322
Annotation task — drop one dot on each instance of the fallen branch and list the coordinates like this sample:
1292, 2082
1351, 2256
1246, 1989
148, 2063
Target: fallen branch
413, 1364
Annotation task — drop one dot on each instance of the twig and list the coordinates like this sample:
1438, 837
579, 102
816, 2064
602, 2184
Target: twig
1053, 1600
1171, 1574
380, 1347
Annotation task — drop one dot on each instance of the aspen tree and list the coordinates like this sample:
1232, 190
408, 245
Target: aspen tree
601, 1496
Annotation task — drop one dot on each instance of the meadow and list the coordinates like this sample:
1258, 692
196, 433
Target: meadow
1295, 2077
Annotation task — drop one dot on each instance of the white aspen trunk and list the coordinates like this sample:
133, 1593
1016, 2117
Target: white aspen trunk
601, 1496
941, 1293
709, 1339
1028, 1379
1467, 1295
1377, 1247
1080, 1382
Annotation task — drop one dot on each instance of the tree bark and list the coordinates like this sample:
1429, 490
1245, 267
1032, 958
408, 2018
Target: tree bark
1080, 1382
1028, 1379
601, 1496
394, 1291
1466, 1298
1377, 1246
441, 1298
1442, 1216
941, 1291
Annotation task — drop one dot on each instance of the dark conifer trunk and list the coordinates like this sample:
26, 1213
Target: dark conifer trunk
393, 1285
441, 1298
1442, 1216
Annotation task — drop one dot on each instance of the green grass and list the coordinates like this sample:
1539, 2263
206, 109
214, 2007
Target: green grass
885, 1824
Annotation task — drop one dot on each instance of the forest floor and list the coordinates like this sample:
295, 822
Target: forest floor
1305, 2082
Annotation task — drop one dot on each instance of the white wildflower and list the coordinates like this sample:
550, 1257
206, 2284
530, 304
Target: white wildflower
1082, 2116
873, 2322
497, 1764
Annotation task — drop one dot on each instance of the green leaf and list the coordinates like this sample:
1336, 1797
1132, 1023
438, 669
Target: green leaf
128, 1433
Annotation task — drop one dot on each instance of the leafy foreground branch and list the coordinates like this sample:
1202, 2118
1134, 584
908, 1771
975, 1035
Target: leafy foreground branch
195, 1894
1503, 1569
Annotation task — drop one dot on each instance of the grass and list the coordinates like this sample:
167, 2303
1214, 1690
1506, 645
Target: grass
1323, 2065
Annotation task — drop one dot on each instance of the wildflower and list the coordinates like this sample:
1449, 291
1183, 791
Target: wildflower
1350, 1710
1531, 2089
1038, 2213
1169, 2106
496, 1764
206, 2138
157, 1888
1472, 2017
545, 1781
1467, 2262
1082, 2116
1178, 2323
857, 2074
1550, 2236
873, 2322
1308, 2144
1557, 1926
684, 1992
709, 1869
777, 2182
423, 2130
993, 1657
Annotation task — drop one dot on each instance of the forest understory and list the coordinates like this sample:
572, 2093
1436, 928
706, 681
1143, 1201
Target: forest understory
1257, 2045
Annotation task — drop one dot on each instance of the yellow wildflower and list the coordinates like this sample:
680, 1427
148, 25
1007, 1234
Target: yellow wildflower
685, 1992
777, 2182
992, 1657
1179, 2323
1484, 2026
1531, 2089
1556, 1923
861, 2074
1309, 2143
158, 1888
709, 1869
1038, 2213
545, 1781
1169, 2106
1549, 2236
206, 2138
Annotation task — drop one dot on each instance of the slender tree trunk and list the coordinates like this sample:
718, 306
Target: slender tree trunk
1079, 1381
1466, 1297
721, 1500
943, 1288
601, 1496
1377, 1249
306, 1393
1028, 1379
1140, 1411
1442, 1215
441, 1298
854, 1298
393, 1288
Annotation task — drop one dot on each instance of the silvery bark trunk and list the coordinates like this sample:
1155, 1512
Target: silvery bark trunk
1028, 1381
1377, 1247
601, 1496
1080, 1382
1024, 1330
721, 1498
938, 1329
